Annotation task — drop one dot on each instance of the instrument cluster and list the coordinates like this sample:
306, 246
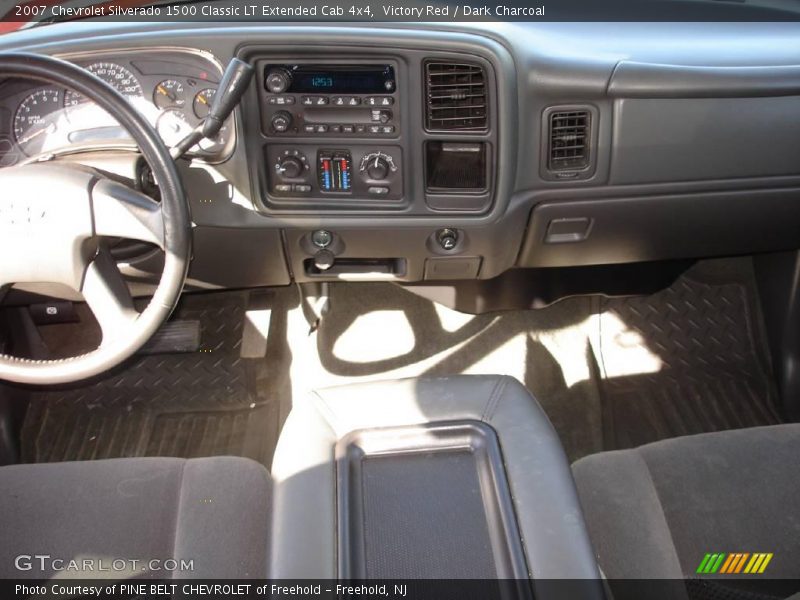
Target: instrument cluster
174, 93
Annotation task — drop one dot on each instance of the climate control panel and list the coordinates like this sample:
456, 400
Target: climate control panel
352, 173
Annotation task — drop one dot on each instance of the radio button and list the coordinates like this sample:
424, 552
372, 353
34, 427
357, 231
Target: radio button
338, 100
348, 129
353, 101
382, 116
321, 129
308, 128
313, 100
361, 128
336, 129
379, 101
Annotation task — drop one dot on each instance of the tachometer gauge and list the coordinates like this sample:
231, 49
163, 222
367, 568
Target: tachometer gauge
173, 126
36, 118
202, 102
117, 76
169, 93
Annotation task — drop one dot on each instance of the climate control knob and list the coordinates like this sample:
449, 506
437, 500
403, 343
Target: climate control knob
281, 121
290, 167
378, 169
377, 166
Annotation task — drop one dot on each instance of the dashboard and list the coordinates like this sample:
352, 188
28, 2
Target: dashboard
173, 90
433, 154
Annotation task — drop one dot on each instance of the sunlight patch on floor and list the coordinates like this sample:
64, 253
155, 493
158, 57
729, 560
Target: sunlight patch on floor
376, 335
451, 320
569, 347
623, 350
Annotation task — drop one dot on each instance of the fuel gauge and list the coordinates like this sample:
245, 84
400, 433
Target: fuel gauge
169, 94
202, 102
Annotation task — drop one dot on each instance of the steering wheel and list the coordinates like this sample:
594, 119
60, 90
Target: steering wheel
53, 218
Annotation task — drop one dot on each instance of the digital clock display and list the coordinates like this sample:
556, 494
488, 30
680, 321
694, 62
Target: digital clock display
322, 81
339, 79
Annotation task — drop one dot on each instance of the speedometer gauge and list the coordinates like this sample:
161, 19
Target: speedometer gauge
117, 76
36, 118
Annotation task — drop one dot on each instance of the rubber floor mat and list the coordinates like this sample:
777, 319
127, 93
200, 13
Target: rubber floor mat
689, 359
204, 403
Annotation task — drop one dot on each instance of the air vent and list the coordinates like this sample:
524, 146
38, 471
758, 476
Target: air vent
456, 97
569, 140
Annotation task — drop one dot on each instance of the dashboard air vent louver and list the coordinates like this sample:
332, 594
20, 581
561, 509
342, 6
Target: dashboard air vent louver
456, 97
569, 140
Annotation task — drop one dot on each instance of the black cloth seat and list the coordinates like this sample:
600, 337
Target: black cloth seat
655, 511
213, 512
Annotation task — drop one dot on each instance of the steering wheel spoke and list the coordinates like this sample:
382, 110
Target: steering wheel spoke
107, 295
123, 212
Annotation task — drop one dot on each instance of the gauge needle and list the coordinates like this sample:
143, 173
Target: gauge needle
162, 90
202, 99
49, 129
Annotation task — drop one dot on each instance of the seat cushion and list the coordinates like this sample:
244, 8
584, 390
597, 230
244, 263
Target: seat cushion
655, 511
212, 511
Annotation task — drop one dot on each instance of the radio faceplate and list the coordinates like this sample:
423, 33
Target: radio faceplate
329, 100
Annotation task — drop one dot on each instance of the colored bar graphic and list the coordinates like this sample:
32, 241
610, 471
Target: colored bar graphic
740, 564
727, 564
703, 564
734, 563
715, 566
764, 564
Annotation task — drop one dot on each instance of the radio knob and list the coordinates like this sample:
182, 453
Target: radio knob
281, 121
278, 80
290, 167
378, 168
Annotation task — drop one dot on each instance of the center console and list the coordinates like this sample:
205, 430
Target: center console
435, 478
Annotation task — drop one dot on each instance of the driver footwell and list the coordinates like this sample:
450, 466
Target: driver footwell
201, 403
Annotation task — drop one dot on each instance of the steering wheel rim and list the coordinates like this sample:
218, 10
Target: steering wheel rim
174, 216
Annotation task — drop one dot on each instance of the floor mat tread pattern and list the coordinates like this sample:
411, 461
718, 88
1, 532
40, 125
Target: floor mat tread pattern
714, 373
181, 404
